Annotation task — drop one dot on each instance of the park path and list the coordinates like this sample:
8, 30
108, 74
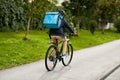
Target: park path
101, 62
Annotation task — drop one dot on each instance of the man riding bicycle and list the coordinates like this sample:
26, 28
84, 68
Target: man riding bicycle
59, 33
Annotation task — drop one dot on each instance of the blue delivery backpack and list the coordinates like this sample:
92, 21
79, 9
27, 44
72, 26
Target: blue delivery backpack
52, 19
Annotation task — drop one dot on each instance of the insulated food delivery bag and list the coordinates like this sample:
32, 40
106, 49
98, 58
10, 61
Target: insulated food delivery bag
52, 19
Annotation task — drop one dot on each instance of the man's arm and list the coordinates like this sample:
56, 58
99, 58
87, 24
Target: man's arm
67, 26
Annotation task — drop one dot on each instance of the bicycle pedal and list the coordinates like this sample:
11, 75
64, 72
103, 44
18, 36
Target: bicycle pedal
60, 58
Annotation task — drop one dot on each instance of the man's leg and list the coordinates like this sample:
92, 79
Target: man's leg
64, 46
60, 39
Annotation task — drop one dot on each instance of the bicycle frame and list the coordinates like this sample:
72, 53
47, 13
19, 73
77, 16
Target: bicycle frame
51, 60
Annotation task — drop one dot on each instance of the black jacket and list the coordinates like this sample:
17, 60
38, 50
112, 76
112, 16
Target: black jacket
60, 31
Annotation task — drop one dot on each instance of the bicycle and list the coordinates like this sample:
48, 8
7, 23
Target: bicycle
54, 54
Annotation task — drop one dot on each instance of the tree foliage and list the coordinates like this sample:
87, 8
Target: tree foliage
106, 9
12, 15
117, 23
16, 14
102, 11
80, 8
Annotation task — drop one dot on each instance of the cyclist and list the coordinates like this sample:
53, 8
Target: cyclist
59, 33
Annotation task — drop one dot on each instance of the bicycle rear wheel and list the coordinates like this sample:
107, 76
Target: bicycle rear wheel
50, 58
68, 56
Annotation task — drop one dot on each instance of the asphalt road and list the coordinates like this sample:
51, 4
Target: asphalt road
96, 63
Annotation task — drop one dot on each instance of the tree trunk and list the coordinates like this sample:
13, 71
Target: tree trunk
103, 28
78, 25
29, 18
27, 29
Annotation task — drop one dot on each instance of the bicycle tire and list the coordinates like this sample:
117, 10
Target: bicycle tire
52, 51
69, 55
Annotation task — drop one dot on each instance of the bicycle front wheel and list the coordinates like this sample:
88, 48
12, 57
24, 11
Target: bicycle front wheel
50, 58
68, 56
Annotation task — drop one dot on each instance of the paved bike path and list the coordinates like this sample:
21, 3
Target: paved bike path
87, 64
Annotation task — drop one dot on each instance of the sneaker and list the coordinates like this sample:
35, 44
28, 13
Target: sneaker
64, 55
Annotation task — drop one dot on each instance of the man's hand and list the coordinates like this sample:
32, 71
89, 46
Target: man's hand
74, 34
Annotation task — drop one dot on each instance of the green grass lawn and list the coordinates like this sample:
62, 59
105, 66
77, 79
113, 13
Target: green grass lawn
15, 51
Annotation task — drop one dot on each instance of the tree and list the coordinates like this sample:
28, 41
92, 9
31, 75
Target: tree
37, 9
80, 8
15, 14
92, 26
117, 5
105, 11
12, 15
117, 23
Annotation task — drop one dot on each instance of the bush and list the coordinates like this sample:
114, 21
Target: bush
4, 29
92, 26
117, 24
